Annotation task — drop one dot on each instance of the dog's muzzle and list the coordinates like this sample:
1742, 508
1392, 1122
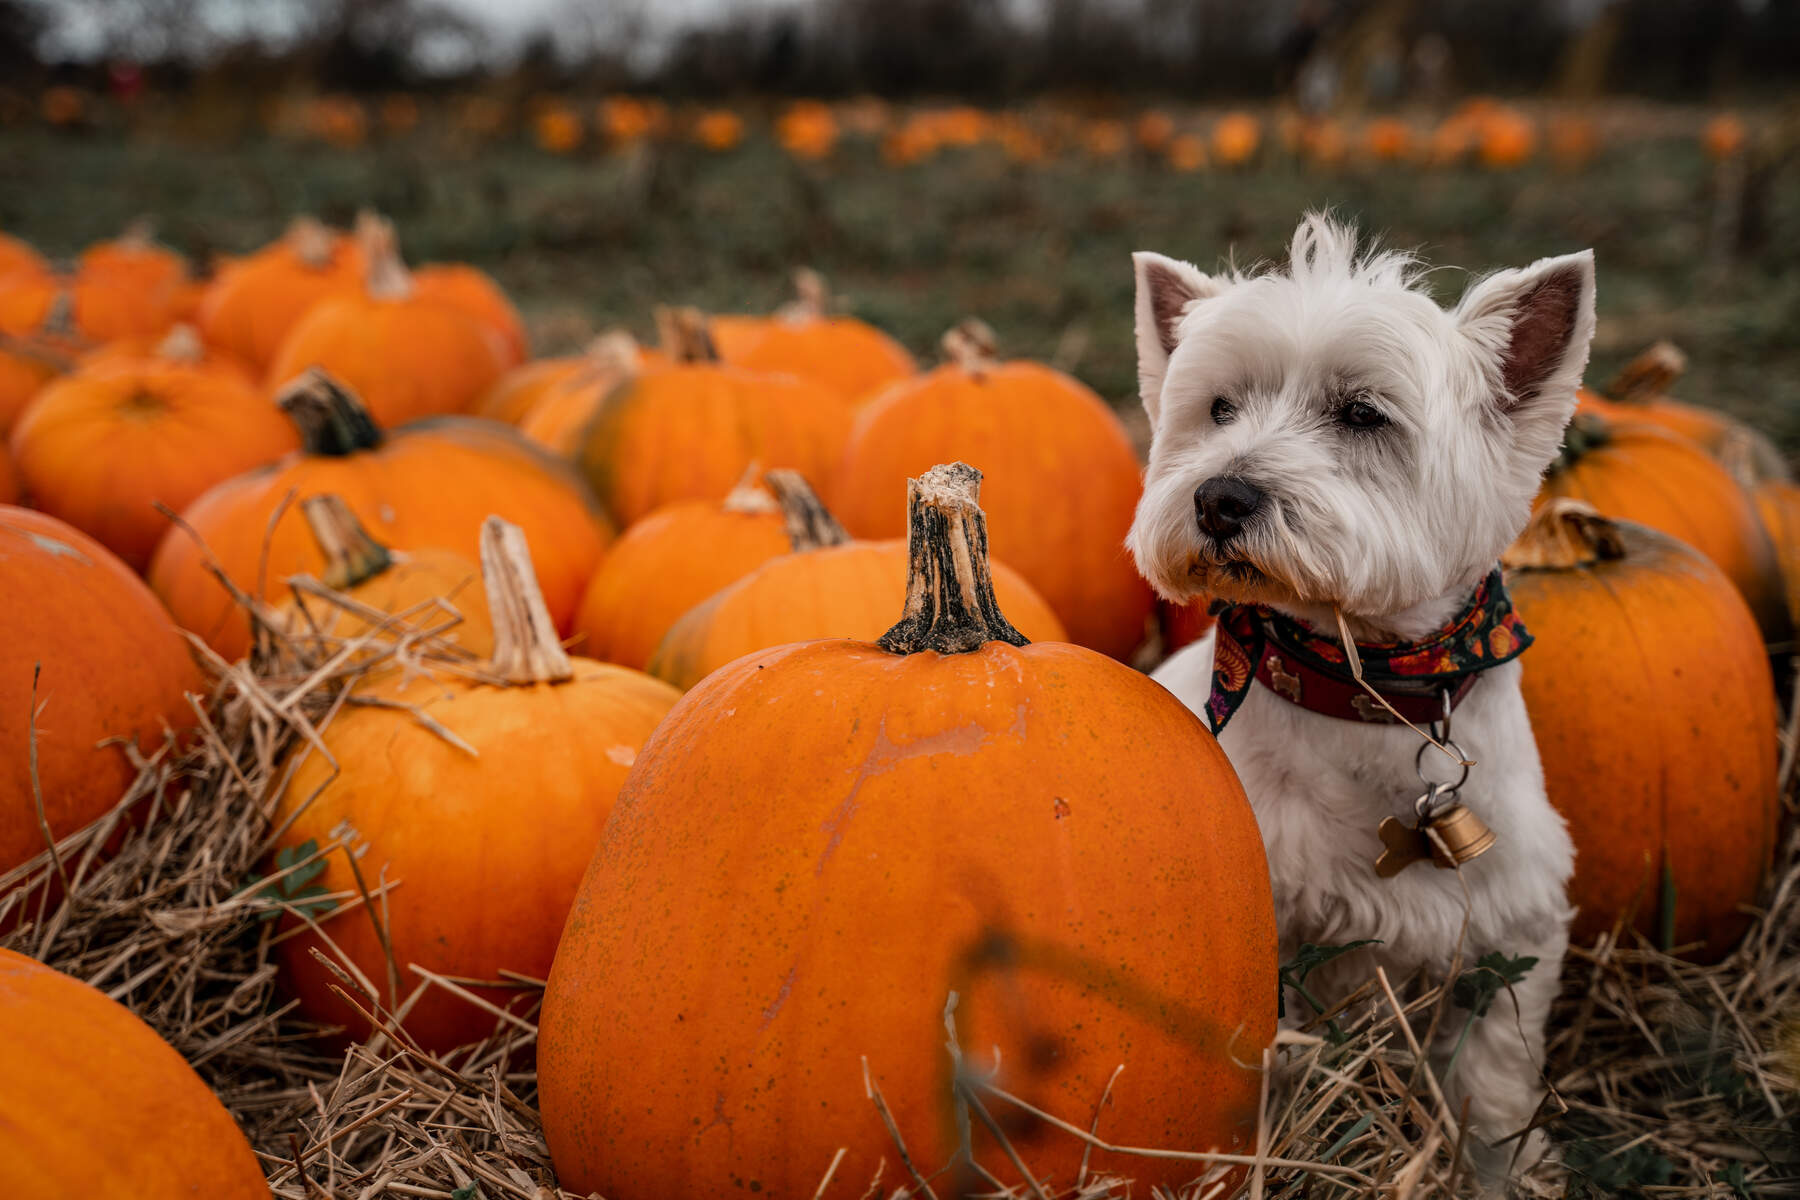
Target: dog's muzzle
1224, 504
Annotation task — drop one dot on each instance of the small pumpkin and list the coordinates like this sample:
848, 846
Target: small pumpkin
89, 655
86, 308
803, 338
511, 814
1669, 783
880, 833
1063, 479
16, 254
406, 354
827, 587
129, 286
102, 446
1236, 138
561, 414
28, 361
366, 585
94, 1103
474, 292
687, 431
1632, 471
250, 307
670, 561
425, 484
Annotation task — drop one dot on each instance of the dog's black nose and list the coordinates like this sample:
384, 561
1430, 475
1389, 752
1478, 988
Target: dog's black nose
1225, 504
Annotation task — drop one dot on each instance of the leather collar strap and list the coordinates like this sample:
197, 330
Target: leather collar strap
1307, 668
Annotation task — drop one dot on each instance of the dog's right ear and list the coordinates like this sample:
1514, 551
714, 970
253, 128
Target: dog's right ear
1165, 288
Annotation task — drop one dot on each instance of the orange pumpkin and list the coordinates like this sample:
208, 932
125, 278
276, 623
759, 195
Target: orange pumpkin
561, 414
881, 833
514, 822
1388, 139
108, 664
513, 394
134, 256
1676, 804
1063, 480
425, 484
849, 356
1723, 136
407, 355
1183, 624
128, 286
1507, 139
1235, 139
16, 254
28, 361
364, 584
87, 307
687, 431
669, 562
100, 447
95, 1104
1643, 473
251, 306
1639, 393
474, 292
9, 479
828, 587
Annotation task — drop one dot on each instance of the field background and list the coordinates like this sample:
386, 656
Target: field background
1039, 250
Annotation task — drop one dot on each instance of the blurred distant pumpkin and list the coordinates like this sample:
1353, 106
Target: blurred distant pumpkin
429, 483
1723, 136
1573, 140
1388, 139
1062, 478
1507, 139
406, 354
1674, 821
805, 338
1153, 129
100, 447
1235, 139
807, 130
253, 303
1187, 152
557, 128
719, 130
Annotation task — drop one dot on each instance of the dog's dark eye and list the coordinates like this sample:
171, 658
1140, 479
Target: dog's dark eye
1224, 412
1360, 414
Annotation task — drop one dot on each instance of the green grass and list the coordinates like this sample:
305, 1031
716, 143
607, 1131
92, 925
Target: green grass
1040, 252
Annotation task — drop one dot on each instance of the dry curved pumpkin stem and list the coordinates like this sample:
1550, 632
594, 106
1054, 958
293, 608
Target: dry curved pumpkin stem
950, 605
747, 496
1587, 431
1651, 373
812, 297
310, 240
810, 525
384, 272
139, 234
1565, 533
526, 648
331, 420
684, 336
352, 556
181, 344
971, 345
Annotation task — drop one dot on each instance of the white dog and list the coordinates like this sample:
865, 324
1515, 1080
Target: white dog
1327, 439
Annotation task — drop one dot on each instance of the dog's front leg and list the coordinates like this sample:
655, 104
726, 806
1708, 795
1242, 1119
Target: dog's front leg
1499, 1069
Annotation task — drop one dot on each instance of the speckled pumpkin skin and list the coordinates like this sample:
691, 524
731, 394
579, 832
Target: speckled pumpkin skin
823, 842
1654, 711
489, 848
93, 1103
1653, 477
1062, 484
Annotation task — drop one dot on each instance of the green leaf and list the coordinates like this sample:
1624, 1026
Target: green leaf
467, 1191
1306, 960
1733, 1178
1350, 1135
1595, 1171
297, 890
1476, 988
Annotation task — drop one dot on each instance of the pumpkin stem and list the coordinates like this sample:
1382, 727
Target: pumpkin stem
747, 496
181, 344
1586, 431
384, 273
526, 648
352, 556
310, 241
971, 345
950, 605
138, 234
613, 354
332, 422
812, 298
1649, 375
684, 336
810, 525
1562, 534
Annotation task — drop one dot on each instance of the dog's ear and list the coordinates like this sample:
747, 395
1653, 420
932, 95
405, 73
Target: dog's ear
1165, 287
1533, 326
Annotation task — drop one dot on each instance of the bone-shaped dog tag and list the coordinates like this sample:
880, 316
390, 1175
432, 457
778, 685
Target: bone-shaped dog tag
1402, 847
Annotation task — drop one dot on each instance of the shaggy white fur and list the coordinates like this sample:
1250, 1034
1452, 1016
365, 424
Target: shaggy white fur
1270, 378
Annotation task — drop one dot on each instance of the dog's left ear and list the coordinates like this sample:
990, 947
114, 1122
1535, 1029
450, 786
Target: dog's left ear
1165, 287
1534, 325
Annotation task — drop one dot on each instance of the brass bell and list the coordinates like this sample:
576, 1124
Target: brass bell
1458, 836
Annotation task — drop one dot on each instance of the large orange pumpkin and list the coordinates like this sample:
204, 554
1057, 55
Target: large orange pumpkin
364, 584
828, 846
1063, 480
828, 587
803, 338
669, 562
687, 431
474, 292
511, 815
108, 663
425, 484
560, 416
1654, 711
93, 1103
1636, 472
406, 354
102, 446
251, 306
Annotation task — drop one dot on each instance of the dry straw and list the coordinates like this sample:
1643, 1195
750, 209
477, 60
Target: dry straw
1667, 1079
